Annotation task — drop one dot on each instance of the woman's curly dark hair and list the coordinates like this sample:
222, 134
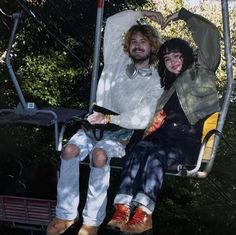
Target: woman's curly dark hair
173, 45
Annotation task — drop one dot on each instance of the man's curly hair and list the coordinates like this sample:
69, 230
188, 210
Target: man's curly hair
150, 33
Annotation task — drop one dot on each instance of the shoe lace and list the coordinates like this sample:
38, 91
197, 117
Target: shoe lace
138, 217
122, 212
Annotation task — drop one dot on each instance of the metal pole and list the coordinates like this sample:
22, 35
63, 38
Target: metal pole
16, 18
96, 55
229, 71
228, 57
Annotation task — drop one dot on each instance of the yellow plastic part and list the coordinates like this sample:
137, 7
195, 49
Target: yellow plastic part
209, 124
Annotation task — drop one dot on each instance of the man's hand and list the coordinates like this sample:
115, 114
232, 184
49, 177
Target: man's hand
155, 16
96, 118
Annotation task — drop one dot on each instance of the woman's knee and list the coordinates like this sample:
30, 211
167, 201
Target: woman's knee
99, 158
70, 151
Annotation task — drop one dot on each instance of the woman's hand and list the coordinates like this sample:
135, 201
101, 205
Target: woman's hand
169, 19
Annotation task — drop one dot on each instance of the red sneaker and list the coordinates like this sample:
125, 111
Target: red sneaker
139, 223
120, 217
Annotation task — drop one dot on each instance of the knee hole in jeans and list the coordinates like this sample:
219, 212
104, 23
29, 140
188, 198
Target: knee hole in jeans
70, 151
99, 158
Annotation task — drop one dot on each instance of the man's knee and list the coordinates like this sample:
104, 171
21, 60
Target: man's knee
99, 158
70, 151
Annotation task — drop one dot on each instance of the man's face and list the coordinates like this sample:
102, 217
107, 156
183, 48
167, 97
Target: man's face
139, 48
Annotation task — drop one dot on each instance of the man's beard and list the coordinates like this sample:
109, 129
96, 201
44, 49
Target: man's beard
138, 59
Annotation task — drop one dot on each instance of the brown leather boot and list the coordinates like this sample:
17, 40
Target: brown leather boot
139, 223
120, 217
58, 226
88, 230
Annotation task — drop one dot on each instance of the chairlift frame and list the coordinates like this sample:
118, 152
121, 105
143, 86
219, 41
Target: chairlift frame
202, 168
25, 212
217, 133
27, 112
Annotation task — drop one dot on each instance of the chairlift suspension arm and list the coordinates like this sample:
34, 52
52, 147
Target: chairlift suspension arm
16, 18
96, 55
229, 71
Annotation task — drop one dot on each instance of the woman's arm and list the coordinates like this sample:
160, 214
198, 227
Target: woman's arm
204, 33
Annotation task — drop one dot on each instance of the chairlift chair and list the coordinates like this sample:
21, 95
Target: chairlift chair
27, 112
26, 212
213, 125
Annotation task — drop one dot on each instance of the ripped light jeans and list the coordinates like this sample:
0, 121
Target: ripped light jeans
68, 193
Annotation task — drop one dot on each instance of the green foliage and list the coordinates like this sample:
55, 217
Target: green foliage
51, 75
51, 78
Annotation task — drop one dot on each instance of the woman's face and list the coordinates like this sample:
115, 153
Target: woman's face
174, 62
